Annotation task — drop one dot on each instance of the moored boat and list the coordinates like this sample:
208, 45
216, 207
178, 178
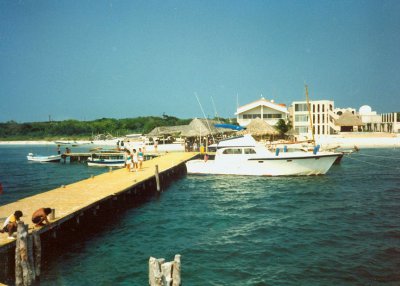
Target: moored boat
43, 159
244, 156
108, 161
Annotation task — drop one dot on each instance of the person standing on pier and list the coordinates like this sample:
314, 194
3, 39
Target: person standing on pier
40, 216
10, 225
128, 161
135, 161
140, 158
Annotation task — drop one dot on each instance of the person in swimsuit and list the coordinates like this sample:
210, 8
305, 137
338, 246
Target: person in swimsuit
128, 162
140, 157
135, 160
40, 216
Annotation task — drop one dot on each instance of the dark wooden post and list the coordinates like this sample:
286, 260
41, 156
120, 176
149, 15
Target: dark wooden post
38, 253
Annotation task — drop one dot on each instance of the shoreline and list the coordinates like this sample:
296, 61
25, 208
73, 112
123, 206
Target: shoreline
348, 140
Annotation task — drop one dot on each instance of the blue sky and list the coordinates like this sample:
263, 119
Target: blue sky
92, 59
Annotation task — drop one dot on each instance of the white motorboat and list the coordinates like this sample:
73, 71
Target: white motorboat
43, 159
109, 161
244, 156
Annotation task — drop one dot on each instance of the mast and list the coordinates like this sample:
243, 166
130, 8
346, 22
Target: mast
309, 115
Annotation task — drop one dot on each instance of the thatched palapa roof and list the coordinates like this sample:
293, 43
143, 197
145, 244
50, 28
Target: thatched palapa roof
259, 127
348, 119
167, 130
197, 127
202, 127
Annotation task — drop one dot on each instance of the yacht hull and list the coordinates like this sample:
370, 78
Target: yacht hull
265, 166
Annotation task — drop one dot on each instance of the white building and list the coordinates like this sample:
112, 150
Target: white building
370, 118
391, 122
322, 117
262, 108
340, 111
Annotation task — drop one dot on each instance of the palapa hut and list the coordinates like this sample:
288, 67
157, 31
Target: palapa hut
202, 127
166, 131
348, 122
202, 132
259, 128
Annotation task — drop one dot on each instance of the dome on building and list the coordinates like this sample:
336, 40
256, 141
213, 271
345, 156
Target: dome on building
365, 109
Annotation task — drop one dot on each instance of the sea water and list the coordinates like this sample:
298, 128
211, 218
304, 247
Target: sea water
339, 229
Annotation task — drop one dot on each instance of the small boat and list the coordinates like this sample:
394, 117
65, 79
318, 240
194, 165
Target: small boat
108, 161
244, 156
43, 159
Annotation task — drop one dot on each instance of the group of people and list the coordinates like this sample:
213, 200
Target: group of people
134, 160
39, 218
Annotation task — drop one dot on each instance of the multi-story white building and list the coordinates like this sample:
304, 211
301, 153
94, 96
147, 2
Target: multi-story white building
322, 117
262, 108
391, 122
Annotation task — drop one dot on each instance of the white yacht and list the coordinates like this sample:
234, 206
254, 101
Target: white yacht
245, 156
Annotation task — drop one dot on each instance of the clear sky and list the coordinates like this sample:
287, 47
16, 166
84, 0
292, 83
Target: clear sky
92, 59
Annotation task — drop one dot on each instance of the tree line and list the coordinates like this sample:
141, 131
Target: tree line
76, 129
87, 130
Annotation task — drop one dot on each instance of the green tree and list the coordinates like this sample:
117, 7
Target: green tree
282, 126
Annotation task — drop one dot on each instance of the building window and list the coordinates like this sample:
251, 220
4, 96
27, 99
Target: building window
300, 107
268, 116
323, 108
301, 118
301, 129
251, 116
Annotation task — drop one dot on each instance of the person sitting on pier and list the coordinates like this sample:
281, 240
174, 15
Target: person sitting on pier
10, 225
40, 216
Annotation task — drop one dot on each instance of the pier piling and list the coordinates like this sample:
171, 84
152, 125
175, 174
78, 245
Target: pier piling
163, 273
157, 175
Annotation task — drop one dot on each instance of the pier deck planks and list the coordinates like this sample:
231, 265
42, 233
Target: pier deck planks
77, 196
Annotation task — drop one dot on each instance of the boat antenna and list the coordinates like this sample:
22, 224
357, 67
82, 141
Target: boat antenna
205, 117
215, 110
309, 114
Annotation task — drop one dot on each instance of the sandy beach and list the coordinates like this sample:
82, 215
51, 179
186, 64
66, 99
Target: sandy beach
361, 140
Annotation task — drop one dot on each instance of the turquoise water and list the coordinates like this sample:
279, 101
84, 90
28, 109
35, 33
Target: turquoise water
339, 229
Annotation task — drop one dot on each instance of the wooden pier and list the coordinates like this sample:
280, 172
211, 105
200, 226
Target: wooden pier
81, 203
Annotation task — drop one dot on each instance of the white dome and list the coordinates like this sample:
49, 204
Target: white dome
365, 109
